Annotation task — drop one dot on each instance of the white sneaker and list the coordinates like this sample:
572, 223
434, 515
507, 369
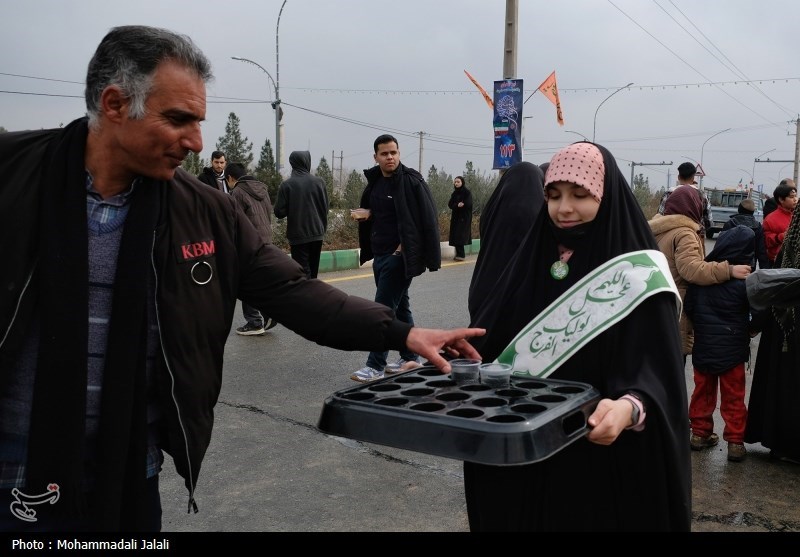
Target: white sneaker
367, 374
405, 365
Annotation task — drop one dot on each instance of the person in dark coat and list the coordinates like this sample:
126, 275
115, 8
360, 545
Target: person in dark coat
618, 477
303, 201
400, 233
745, 217
773, 417
214, 175
119, 279
253, 197
460, 204
720, 314
508, 215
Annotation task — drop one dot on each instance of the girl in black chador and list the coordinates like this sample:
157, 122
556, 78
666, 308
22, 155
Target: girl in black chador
632, 470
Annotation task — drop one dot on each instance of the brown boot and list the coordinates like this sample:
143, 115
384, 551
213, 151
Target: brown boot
698, 443
736, 452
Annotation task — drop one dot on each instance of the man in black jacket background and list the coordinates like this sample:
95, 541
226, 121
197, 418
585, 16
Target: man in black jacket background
214, 175
744, 216
401, 235
303, 201
253, 197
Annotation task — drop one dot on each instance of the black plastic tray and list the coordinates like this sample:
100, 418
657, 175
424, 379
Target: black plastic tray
423, 410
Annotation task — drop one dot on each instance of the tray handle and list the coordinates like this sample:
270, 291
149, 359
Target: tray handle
574, 424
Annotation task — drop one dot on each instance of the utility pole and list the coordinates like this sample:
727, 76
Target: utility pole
341, 166
796, 148
635, 164
277, 103
333, 167
419, 168
510, 45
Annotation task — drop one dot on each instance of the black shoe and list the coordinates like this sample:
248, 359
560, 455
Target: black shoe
269, 323
249, 330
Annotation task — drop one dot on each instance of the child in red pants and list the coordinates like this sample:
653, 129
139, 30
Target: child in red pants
720, 315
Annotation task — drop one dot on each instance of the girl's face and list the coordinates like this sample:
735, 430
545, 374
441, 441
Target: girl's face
457, 182
570, 205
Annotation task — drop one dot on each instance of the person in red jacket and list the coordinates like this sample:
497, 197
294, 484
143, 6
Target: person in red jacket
777, 222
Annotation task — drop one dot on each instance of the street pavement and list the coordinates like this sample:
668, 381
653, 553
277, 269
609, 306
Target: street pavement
269, 469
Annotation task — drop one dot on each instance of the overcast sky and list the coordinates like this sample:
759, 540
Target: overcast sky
352, 69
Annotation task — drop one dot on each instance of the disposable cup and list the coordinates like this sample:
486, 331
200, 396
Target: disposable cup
495, 375
465, 371
360, 213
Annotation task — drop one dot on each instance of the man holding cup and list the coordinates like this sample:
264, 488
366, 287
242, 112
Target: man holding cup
399, 231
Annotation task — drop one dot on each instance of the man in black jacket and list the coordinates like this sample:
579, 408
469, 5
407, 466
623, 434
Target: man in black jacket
253, 198
303, 201
214, 175
401, 235
744, 216
93, 394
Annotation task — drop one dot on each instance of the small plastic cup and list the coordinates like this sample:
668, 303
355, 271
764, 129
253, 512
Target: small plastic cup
495, 375
465, 371
360, 213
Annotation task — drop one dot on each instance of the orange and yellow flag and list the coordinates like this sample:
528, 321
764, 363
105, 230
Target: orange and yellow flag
550, 90
486, 96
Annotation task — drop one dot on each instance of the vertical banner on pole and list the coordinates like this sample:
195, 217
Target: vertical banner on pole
507, 123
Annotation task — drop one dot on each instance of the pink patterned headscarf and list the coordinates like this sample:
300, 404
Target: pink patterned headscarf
581, 164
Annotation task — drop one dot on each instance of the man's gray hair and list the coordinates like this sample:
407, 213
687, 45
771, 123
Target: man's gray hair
128, 57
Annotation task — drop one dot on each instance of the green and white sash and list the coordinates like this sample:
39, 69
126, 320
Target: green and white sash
600, 300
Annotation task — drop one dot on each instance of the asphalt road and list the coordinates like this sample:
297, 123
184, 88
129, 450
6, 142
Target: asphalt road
269, 469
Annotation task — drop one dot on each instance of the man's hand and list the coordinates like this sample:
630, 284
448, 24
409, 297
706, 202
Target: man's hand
428, 342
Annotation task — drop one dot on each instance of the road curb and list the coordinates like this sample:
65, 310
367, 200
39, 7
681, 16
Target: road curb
344, 259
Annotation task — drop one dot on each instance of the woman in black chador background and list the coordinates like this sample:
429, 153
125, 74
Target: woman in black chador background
632, 471
774, 406
505, 219
461, 219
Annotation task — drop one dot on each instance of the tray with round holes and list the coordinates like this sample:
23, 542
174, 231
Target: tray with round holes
423, 410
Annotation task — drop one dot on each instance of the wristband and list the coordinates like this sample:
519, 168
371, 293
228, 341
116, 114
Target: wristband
638, 424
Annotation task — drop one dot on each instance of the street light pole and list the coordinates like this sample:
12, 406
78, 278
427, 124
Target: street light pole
576, 133
276, 102
753, 174
594, 131
701, 154
780, 172
275, 105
